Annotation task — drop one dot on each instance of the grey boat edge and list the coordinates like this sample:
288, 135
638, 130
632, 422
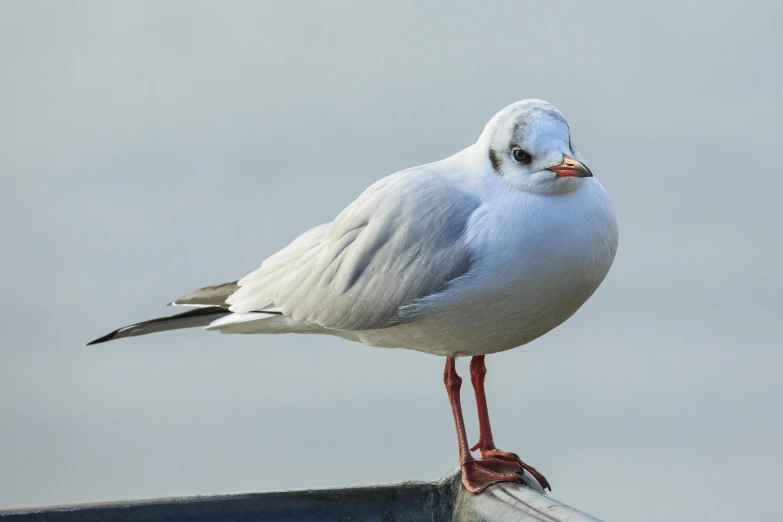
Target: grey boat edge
442, 501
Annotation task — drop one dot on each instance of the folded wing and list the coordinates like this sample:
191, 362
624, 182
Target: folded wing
401, 240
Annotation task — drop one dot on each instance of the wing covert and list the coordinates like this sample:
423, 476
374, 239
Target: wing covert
401, 240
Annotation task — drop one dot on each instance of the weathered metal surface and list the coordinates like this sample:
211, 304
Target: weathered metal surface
407, 502
512, 502
442, 501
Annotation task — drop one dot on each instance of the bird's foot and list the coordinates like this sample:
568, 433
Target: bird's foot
478, 475
508, 457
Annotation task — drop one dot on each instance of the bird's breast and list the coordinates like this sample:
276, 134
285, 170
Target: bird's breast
535, 265
555, 257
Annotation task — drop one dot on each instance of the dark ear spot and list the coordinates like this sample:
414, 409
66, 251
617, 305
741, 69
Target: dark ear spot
493, 158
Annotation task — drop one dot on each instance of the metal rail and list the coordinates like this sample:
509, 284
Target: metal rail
442, 501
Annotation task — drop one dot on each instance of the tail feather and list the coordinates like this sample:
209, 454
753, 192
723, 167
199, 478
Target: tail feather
192, 318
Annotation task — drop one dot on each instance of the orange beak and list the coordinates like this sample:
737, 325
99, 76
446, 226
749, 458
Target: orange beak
571, 168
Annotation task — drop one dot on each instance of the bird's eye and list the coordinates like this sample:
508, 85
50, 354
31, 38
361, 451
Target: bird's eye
520, 156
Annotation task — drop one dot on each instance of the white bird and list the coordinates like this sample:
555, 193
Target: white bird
478, 253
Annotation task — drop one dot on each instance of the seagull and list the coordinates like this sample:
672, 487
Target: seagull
478, 253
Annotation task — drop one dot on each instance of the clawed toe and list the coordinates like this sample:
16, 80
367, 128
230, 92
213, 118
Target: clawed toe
476, 477
512, 458
500, 466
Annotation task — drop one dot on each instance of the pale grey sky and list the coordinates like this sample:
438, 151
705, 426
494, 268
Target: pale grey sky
149, 148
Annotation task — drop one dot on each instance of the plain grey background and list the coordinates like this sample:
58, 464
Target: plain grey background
150, 148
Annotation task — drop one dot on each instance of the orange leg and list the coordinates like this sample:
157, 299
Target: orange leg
485, 443
475, 476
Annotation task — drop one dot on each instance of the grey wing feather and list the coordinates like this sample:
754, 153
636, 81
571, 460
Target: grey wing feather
401, 240
208, 296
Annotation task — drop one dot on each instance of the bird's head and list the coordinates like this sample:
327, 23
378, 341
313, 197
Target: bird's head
528, 144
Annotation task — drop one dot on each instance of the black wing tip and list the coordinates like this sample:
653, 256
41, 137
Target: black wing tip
107, 337
196, 312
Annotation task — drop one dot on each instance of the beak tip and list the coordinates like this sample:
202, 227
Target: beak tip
571, 168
